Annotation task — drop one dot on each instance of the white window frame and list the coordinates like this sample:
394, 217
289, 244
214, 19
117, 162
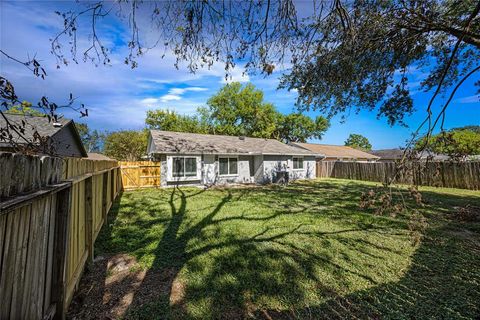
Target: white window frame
171, 177
228, 166
293, 163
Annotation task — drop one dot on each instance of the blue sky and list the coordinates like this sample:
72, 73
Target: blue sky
118, 97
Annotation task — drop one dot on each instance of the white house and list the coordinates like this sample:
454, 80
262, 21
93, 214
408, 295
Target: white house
204, 159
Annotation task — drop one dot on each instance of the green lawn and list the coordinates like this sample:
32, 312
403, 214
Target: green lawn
306, 251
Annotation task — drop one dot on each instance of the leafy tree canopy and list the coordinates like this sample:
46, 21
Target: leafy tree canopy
240, 110
92, 140
25, 108
471, 127
344, 54
127, 145
358, 141
169, 120
457, 143
297, 127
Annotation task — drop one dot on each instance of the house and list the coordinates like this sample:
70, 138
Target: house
337, 153
204, 159
98, 156
392, 155
60, 138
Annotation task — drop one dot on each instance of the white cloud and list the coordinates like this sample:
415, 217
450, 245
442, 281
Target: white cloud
176, 93
470, 99
170, 97
196, 89
116, 96
236, 75
149, 101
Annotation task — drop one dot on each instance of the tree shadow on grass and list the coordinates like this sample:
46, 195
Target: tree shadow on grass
244, 272
441, 283
171, 255
264, 274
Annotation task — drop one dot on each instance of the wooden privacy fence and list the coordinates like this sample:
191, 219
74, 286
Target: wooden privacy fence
463, 175
140, 174
51, 211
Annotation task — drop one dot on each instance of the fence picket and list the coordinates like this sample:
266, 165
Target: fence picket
464, 175
45, 229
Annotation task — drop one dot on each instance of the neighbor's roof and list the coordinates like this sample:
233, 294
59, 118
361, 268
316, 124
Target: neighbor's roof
395, 154
332, 151
181, 142
34, 123
40, 124
98, 156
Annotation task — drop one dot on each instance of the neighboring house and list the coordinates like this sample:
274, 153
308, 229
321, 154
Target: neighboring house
203, 159
475, 157
337, 153
60, 138
392, 155
98, 156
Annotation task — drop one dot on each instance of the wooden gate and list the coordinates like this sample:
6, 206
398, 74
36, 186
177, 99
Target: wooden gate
140, 174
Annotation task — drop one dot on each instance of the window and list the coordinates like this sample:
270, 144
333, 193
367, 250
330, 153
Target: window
228, 166
184, 167
297, 163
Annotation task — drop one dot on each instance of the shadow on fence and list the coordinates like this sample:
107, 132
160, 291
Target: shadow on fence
462, 175
51, 212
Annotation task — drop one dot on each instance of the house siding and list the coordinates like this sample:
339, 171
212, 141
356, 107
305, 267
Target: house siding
243, 176
251, 169
272, 164
209, 174
258, 169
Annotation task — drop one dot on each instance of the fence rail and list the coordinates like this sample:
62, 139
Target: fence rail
51, 211
140, 174
463, 175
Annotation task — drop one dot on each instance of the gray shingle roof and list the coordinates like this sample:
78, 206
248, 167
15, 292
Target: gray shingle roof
32, 123
98, 156
334, 151
181, 142
396, 154
42, 125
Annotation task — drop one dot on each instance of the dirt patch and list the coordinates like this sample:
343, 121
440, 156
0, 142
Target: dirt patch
177, 293
115, 284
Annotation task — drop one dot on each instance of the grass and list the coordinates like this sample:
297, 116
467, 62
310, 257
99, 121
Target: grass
306, 251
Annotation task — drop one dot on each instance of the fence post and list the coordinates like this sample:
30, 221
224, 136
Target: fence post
60, 251
104, 196
89, 218
112, 186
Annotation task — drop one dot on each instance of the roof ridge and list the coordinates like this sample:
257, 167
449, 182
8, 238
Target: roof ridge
162, 140
216, 135
325, 144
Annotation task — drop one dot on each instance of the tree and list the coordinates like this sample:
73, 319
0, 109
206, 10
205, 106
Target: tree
343, 53
471, 127
241, 110
297, 127
126, 145
172, 121
92, 140
83, 132
96, 141
358, 141
457, 143
25, 108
